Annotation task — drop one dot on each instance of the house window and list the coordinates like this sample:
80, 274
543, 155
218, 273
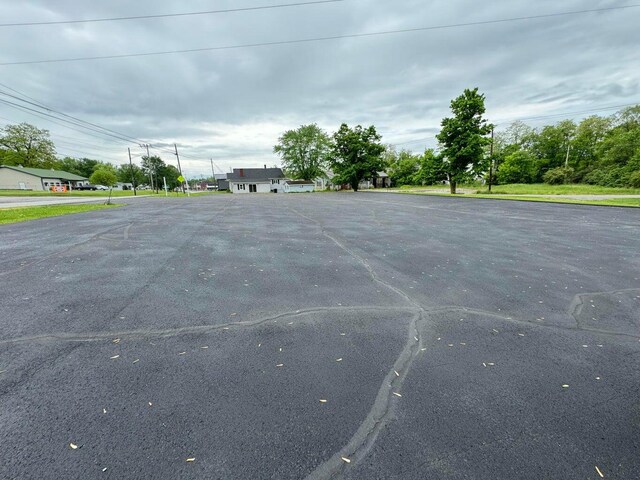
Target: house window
241, 186
252, 188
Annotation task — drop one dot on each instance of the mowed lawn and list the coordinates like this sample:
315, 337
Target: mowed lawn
23, 214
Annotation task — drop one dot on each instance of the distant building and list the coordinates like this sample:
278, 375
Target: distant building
221, 181
297, 186
380, 180
39, 179
255, 180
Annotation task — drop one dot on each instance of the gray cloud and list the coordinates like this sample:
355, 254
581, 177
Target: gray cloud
233, 104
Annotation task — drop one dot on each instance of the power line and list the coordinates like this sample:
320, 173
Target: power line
168, 15
49, 109
320, 39
74, 120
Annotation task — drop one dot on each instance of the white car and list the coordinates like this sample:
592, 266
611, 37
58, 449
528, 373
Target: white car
101, 187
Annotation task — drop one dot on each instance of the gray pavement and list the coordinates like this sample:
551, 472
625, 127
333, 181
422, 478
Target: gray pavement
322, 336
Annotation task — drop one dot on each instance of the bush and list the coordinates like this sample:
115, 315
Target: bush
611, 177
634, 180
558, 176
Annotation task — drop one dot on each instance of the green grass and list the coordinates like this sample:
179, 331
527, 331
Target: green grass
24, 214
88, 193
571, 189
610, 202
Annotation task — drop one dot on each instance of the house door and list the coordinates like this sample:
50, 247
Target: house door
252, 188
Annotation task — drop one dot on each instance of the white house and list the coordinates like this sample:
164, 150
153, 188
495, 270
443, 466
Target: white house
41, 179
297, 186
255, 180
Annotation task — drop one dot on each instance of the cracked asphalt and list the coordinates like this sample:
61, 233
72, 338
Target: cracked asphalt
354, 336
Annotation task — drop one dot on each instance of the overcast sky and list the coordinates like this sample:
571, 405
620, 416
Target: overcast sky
231, 105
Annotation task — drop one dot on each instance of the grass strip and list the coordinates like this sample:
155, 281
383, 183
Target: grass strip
24, 214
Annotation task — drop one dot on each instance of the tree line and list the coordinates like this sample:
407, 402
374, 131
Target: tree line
354, 154
597, 150
26, 145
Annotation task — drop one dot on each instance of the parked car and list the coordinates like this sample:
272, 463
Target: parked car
85, 187
101, 187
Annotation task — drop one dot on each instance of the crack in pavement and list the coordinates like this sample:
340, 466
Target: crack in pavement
380, 414
196, 329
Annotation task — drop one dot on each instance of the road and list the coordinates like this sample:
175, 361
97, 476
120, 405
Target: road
355, 336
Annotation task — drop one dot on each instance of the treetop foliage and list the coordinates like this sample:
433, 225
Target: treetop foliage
304, 152
356, 154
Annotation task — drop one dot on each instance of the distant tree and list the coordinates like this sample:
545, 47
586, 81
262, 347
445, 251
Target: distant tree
402, 167
151, 166
104, 176
550, 146
171, 174
27, 145
304, 151
133, 174
463, 136
71, 165
517, 167
584, 148
431, 169
356, 154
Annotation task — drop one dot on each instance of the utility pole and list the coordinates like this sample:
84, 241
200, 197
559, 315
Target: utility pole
491, 161
179, 167
213, 175
133, 177
149, 163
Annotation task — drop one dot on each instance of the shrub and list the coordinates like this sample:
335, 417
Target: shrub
634, 179
557, 176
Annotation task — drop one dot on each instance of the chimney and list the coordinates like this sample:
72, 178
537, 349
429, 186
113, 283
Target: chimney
242, 172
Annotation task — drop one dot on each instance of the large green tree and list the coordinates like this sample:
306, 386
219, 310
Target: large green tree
356, 154
304, 151
463, 137
27, 145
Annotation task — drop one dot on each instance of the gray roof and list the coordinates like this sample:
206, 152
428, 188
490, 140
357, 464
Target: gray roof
254, 174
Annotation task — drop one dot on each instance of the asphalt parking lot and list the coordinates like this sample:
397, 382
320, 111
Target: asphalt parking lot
355, 336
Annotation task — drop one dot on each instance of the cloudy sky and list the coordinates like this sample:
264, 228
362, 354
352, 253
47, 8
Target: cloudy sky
231, 104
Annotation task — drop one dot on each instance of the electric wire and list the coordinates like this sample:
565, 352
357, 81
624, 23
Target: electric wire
170, 15
320, 39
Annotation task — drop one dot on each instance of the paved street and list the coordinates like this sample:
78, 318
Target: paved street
355, 336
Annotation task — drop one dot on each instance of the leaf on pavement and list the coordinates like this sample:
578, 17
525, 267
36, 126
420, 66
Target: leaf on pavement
73, 446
